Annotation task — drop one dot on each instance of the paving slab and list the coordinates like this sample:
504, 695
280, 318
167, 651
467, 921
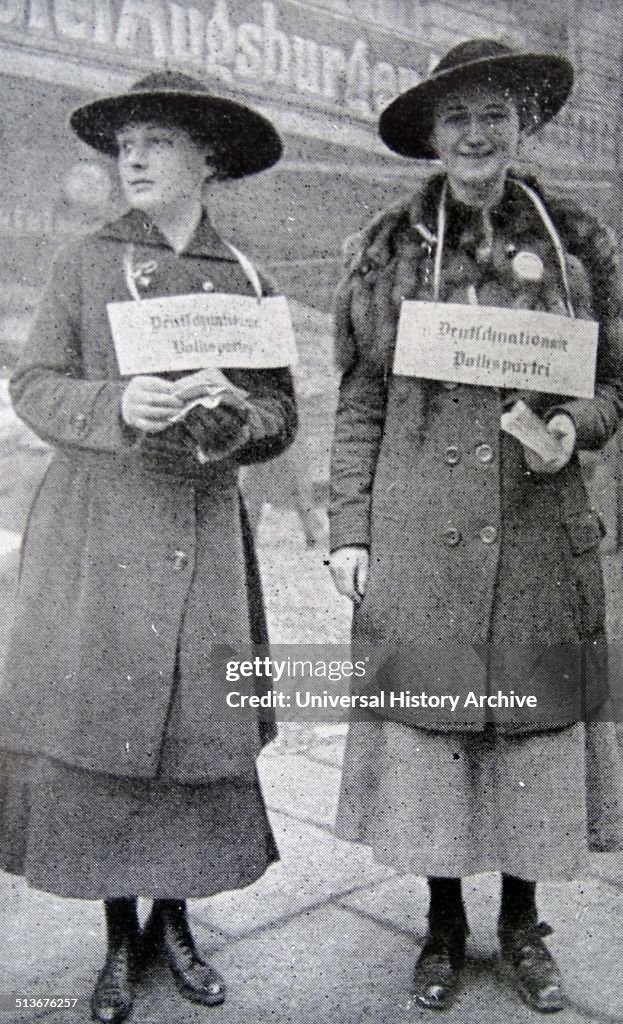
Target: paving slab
43, 936
315, 869
609, 867
334, 966
297, 786
588, 943
399, 903
309, 962
328, 744
326, 965
302, 603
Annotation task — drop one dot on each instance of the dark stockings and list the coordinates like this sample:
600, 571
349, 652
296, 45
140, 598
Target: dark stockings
446, 912
121, 921
518, 904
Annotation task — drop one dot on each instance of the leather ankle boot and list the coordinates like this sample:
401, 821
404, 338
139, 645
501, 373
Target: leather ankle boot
113, 995
439, 965
530, 966
169, 930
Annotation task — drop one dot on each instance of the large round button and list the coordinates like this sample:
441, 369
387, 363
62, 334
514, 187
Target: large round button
484, 453
488, 534
452, 455
451, 536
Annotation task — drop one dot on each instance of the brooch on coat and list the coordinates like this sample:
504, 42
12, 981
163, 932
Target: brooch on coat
137, 273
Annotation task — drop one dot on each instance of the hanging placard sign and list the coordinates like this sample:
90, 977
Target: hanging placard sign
194, 332
497, 347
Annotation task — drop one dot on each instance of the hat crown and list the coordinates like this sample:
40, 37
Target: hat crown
168, 81
471, 51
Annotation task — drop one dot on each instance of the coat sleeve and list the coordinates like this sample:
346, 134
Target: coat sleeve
271, 423
47, 388
267, 430
596, 419
357, 437
272, 420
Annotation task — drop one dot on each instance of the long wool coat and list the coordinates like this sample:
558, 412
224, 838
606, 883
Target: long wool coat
483, 575
136, 566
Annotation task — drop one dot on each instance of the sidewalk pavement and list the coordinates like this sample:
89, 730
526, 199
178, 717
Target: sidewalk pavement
326, 934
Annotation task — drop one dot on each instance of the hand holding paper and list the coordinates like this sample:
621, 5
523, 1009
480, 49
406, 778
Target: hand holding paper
547, 446
204, 382
206, 389
149, 404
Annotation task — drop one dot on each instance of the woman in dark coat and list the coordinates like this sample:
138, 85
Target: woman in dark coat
476, 559
122, 775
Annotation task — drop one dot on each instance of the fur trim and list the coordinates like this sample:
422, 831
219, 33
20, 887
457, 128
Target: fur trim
385, 263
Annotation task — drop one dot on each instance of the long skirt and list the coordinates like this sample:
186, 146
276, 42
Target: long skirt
90, 836
452, 804
94, 836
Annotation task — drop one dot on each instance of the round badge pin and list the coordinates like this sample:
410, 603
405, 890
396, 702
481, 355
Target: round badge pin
527, 266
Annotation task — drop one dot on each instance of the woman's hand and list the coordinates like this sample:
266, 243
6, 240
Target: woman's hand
349, 569
563, 428
148, 403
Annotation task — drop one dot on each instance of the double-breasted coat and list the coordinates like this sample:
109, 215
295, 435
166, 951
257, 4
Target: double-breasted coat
483, 574
136, 565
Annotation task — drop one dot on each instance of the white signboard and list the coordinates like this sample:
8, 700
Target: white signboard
503, 348
194, 332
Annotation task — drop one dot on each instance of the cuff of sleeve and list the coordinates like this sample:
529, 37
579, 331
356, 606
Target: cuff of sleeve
348, 531
204, 455
584, 415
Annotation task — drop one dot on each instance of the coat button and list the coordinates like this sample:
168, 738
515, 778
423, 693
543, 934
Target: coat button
484, 453
451, 536
488, 534
452, 455
180, 560
450, 384
80, 422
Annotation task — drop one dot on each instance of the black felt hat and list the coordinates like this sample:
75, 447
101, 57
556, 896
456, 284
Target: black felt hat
243, 141
541, 82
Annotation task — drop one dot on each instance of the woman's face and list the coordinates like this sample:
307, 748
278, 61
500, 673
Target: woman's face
476, 135
159, 166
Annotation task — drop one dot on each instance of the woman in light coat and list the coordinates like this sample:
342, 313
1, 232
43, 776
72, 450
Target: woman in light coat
473, 557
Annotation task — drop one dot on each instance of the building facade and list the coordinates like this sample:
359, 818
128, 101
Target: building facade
322, 70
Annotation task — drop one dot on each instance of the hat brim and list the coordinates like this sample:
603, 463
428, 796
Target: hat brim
244, 141
406, 125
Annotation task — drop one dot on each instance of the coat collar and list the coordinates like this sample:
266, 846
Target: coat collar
137, 227
514, 211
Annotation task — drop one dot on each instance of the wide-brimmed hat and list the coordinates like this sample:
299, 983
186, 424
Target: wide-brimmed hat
243, 141
541, 82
